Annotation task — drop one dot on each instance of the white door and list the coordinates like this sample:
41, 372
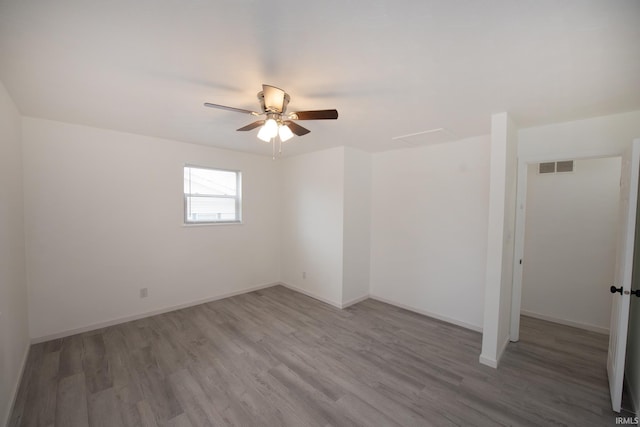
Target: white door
624, 266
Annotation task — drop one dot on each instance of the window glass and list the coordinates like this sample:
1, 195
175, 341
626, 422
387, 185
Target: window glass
211, 195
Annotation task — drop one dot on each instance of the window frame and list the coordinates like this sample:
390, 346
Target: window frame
237, 197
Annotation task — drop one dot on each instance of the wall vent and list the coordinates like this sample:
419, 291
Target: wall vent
553, 167
547, 167
566, 166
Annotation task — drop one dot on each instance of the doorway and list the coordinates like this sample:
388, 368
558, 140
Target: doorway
568, 232
557, 203
622, 229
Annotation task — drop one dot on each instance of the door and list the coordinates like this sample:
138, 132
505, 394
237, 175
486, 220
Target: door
624, 267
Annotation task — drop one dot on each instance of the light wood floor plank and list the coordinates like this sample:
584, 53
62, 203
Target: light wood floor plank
103, 409
71, 402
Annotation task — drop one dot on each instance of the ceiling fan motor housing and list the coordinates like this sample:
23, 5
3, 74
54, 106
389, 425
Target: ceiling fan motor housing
274, 101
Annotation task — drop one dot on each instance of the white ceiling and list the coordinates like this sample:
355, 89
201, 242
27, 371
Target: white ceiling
390, 67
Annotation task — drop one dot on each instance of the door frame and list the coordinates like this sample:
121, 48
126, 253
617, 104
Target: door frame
519, 231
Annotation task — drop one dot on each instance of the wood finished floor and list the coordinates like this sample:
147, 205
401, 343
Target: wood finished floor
276, 357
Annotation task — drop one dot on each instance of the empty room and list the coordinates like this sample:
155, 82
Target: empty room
384, 213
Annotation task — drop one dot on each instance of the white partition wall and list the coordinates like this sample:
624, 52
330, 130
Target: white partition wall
312, 209
14, 327
429, 229
500, 245
357, 226
326, 208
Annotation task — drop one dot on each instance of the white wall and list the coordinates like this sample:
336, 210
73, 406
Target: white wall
603, 136
500, 239
508, 233
429, 229
103, 218
14, 327
357, 224
312, 223
570, 243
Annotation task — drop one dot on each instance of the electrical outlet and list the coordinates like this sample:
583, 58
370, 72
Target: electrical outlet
144, 292
304, 274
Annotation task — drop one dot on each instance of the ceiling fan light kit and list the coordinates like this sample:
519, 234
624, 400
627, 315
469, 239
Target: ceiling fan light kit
273, 102
268, 130
285, 133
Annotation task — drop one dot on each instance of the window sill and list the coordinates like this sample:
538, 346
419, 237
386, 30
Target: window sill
204, 224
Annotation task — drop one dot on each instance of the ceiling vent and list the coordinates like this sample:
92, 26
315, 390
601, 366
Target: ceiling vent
553, 167
427, 137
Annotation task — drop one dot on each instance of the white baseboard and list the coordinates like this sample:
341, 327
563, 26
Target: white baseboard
312, 295
491, 362
355, 301
428, 313
124, 319
487, 361
16, 386
565, 322
325, 300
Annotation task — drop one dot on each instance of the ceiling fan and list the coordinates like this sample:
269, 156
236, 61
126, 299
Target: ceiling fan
273, 102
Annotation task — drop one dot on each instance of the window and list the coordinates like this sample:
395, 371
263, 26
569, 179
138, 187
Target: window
211, 195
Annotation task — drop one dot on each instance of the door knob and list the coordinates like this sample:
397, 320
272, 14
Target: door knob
613, 289
636, 292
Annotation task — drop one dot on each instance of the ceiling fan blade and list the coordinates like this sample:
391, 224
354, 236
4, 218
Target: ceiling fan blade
315, 115
274, 98
224, 107
296, 128
252, 125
